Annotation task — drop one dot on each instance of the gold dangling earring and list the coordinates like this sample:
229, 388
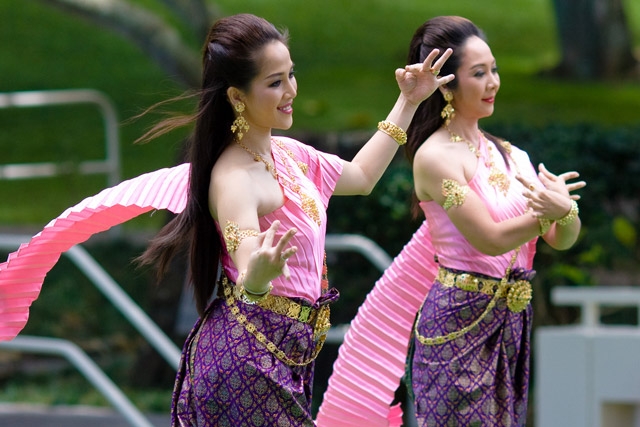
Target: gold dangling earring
240, 125
448, 112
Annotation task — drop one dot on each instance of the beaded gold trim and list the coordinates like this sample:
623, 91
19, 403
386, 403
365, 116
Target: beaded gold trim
518, 295
571, 216
302, 165
394, 131
454, 193
233, 236
307, 203
286, 307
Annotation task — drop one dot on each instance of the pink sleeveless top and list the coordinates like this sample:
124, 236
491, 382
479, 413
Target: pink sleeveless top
318, 183
452, 248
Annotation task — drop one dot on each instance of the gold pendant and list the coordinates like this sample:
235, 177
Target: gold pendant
499, 180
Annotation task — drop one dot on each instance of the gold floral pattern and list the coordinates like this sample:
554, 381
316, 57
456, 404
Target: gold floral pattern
233, 236
454, 193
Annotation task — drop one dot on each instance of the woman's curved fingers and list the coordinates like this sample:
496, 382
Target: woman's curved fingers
284, 240
576, 186
581, 184
445, 79
529, 186
429, 60
443, 58
286, 272
569, 175
433, 64
270, 234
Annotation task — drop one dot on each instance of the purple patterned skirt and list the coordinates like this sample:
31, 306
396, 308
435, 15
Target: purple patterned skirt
229, 378
480, 378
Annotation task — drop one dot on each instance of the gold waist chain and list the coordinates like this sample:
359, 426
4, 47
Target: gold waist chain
518, 295
318, 318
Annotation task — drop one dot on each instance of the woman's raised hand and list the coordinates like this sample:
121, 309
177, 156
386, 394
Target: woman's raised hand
418, 81
559, 183
270, 259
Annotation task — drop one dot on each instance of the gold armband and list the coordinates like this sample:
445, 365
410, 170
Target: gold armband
454, 193
233, 236
394, 131
571, 216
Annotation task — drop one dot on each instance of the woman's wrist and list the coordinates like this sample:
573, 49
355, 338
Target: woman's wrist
403, 111
251, 292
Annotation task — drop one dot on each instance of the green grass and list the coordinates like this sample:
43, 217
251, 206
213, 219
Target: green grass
345, 54
70, 388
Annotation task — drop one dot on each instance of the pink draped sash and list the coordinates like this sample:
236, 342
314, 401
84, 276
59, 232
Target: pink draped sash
371, 360
22, 275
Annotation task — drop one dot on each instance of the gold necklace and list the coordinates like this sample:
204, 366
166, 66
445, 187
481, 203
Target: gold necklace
258, 158
308, 204
497, 178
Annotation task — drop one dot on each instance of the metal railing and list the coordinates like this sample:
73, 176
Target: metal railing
123, 303
86, 366
590, 299
109, 166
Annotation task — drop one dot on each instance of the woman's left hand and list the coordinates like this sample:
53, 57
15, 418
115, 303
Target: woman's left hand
552, 199
418, 81
559, 183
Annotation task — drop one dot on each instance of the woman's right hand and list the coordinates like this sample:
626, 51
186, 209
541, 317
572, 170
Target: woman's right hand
269, 260
418, 81
553, 200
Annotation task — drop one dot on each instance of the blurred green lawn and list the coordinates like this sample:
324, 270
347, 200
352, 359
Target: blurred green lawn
345, 55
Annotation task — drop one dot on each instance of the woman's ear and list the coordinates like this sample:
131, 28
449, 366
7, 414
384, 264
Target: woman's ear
443, 89
234, 95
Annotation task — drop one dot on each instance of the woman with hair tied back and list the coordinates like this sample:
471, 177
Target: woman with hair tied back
467, 269
257, 207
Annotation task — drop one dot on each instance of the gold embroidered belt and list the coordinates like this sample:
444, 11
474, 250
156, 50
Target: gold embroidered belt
318, 318
517, 293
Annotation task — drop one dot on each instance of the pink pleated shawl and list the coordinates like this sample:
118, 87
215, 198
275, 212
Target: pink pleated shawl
22, 275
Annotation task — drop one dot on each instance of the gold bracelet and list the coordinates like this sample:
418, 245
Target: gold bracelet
571, 216
545, 225
253, 297
394, 131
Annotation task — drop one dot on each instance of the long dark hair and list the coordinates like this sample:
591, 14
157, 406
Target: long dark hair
229, 59
441, 32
